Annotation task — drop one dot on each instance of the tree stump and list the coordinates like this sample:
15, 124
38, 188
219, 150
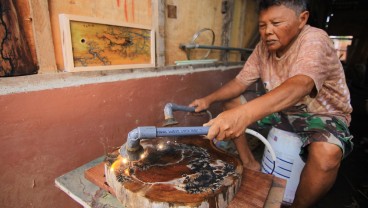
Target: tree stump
175, 172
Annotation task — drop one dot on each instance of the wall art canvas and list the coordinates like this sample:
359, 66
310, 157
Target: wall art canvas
96, 44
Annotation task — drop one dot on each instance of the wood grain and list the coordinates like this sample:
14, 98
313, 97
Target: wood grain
253, 192
42, 36
158, 21
26, 22
15, 54
176, 172
97, 176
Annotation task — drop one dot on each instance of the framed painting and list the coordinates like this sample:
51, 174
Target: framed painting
90, 44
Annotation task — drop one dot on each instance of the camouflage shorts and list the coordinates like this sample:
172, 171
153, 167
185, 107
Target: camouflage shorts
312, 128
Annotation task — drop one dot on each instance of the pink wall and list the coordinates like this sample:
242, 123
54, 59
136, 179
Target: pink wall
45, 134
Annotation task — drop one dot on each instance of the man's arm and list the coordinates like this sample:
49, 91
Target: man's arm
230, 90
232, 123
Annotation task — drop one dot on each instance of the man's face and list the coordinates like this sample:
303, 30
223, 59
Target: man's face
278, 26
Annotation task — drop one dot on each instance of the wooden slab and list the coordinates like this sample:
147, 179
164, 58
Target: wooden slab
97, 176
276, 193
250, 180
176, 172
253, 191
42, 31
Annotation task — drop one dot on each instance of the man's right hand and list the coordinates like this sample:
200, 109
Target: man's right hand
200, 104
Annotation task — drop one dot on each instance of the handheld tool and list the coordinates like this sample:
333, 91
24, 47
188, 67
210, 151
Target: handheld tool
171, 107
132, 149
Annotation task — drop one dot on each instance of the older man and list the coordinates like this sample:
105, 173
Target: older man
306, 94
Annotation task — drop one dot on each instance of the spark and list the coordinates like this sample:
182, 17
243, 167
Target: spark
124, 161
143, 155
113, 166
161, 146
127, 172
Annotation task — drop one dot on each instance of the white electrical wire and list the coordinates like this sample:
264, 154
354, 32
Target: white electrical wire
267, 144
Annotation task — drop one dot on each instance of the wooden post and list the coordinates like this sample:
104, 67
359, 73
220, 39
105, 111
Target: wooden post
43, 36
227, 11
15, 55
158, 22
237, 29
250, 34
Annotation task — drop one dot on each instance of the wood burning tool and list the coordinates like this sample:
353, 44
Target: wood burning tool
171, 107
132, 150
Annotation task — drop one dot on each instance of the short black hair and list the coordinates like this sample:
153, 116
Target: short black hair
298, 6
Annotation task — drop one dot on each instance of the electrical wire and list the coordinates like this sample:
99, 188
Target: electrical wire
266, 143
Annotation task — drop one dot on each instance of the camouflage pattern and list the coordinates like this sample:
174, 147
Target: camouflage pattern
312, 128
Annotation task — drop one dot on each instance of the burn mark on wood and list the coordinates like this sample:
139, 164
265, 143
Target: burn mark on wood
189, 170
6, 62
205, 174
15, 54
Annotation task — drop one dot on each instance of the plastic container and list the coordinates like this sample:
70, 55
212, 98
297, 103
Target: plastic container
289, 165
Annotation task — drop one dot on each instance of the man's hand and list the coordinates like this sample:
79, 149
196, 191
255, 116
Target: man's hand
232, 123
230, 90
200, 104
229, 124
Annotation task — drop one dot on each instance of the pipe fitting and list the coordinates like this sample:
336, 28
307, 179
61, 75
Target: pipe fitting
132, 148
139, 133
171, 107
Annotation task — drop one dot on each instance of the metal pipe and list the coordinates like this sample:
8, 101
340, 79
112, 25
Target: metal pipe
195, 46
132, 148
147, 132
171, 107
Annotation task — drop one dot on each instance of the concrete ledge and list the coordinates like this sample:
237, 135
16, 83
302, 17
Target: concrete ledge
10, 85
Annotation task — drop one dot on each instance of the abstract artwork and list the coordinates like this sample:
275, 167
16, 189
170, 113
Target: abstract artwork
96, 44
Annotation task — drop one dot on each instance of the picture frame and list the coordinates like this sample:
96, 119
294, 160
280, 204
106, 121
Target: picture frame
91, 44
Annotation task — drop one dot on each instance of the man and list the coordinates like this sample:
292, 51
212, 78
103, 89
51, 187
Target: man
306, 94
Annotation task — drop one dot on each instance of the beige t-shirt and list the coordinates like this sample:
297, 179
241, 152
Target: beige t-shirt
311, 54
